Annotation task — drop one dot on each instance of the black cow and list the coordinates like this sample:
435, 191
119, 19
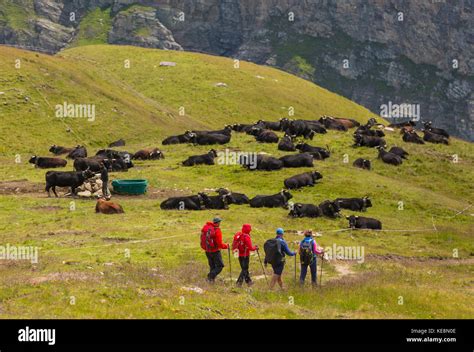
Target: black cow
399, 151
297, 160
118, 143
94, 164
363, 130
389, 158
227, 130
58, 150
206, 159
148, 154
354, 204
318, 153
330, 209
194, 202
262, 162
300, 210
121, 158
240, 127
360, 222
434, 138
277, 200
47, 163
78, 152
362, 163
302, 180
215, 202
435, 130
286, 144
297, 128
368, 141
412, 137
208, 139
264, 136
179, 139
232, 197
71, 179
269, 125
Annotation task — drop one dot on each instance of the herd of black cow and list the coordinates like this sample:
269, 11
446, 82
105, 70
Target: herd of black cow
369, 135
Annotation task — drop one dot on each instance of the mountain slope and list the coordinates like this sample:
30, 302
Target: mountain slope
147, 263
145, 99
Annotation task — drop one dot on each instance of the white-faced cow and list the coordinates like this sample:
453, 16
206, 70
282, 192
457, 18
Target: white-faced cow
148, 154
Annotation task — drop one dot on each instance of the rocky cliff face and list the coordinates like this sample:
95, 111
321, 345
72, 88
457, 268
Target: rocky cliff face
375, 52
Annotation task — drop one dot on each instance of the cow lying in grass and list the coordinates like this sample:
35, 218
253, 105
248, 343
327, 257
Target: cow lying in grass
47, 163
107, 207
360, 222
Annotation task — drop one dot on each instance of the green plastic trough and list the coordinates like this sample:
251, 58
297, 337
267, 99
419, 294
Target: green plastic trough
131, 187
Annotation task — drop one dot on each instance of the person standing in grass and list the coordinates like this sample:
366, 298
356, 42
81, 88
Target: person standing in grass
104, 176
275, 251
308, 251
243, 244
211, 242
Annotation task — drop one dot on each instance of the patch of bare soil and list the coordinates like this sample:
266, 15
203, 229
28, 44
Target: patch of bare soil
20, 186
433, 259
46, 208
116, 239
66, 232
66, 276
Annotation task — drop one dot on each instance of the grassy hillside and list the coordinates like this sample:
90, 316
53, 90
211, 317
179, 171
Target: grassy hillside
85, 255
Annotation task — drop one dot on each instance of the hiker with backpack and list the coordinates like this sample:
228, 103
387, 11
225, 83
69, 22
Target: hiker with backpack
211, 242
275, 251
243, 244
308, 251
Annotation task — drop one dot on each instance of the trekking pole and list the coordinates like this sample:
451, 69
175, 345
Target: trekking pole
321, 275
295, 269
230, 264
263, 268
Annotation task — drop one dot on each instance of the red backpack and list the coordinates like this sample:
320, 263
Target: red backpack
238, 242
208, 238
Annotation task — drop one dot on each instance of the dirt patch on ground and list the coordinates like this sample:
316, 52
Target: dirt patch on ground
46, 208
76, 276
20, 186
432, 259
66, 232
116, 239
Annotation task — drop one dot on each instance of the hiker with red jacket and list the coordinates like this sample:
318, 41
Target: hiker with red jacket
243, 244
211, 242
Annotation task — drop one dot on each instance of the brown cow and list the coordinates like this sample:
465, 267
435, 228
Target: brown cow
149, 154
107, 207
